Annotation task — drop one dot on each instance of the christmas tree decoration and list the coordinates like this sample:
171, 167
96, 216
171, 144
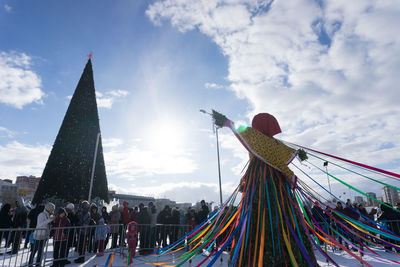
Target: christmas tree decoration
68, 170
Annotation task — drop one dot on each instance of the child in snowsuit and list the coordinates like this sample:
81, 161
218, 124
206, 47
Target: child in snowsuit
131, 238
100, 236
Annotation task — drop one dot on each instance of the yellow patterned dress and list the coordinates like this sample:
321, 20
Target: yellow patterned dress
276, 228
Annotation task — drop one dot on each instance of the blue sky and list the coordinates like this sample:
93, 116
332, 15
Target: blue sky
328, 71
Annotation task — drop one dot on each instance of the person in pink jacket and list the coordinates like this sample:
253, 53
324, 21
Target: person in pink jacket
132, 238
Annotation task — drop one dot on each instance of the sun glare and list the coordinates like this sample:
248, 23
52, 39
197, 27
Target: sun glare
166, 137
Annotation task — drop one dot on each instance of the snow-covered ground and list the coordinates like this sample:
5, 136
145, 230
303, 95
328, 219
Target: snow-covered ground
341, 257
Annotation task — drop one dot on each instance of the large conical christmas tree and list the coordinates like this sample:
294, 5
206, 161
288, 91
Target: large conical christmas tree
68, 170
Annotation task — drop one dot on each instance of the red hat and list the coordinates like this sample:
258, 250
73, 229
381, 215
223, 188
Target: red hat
266, 123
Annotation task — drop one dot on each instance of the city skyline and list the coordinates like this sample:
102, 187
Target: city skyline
328, 71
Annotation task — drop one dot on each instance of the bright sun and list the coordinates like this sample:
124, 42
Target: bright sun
165, 137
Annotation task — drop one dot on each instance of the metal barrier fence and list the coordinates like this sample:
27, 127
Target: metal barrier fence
62, 245
334, 229
19, 248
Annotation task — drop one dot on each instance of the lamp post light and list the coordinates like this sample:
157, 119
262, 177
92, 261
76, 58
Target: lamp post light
327, 175
215, 128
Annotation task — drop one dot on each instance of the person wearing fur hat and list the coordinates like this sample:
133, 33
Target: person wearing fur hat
60, 238
41, 233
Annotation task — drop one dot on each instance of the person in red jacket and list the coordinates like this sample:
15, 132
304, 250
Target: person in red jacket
126, 215
60, 238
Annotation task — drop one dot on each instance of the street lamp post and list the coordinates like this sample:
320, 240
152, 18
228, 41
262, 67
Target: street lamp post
327, 175
219, 165
93, 167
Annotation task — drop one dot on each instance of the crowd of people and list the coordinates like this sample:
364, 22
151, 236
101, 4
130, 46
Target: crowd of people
86, 229
331, 221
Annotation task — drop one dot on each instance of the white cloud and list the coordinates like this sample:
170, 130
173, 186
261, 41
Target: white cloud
112, 142
118, 93
19, 85
130, 160
329, 73
107, 99
230, 142
22, 159
7, 8
4, 132
213, 85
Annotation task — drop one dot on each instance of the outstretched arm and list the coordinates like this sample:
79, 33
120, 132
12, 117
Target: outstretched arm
267, 149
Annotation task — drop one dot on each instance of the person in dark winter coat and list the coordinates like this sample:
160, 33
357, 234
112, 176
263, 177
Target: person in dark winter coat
350, 211
94, 219
134, 214
5, 222
32, 216
175, 217
83, 221
164, 217
387, 219
72, 232
115, 216
122, 227
338, 227
144, 229
153, 225
106, 217
203, 213
19, 222
190, 218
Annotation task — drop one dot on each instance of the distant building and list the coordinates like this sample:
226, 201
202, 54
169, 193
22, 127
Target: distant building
358, 200
183, 206
160, 203
390, 195
371, 202
26, 186
133, 200
8, 192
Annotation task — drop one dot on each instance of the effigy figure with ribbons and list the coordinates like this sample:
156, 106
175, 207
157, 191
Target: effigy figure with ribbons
272, 228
